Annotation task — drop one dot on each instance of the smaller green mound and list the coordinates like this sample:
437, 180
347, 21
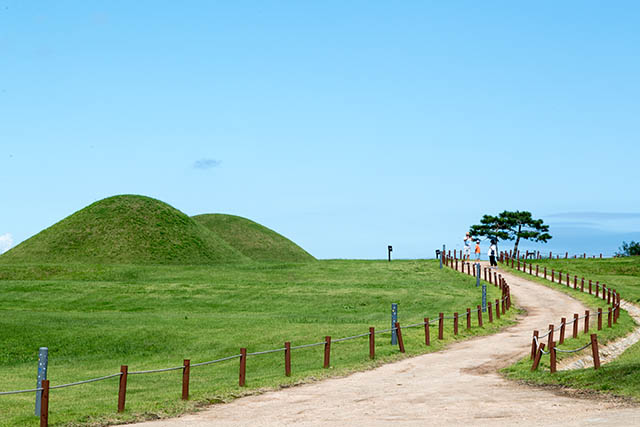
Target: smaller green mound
253, 240
126, 229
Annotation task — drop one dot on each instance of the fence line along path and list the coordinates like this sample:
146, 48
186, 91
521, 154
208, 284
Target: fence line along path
459, 385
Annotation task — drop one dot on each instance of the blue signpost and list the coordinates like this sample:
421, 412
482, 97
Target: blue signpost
43, 362
477, 274
484, 298
394, 319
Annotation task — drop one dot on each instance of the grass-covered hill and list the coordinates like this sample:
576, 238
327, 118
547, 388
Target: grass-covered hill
126, 229
253, 240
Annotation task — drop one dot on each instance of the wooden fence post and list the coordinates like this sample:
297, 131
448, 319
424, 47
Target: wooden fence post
372, 343
537, 269
599, 319
468, 318
575, 282
608, 296
186, 370
590, 292
327, 351
455, 323
550, 336
243, 367
427, 338
553, 272
582, 285
586, 321
545, 273
490, 312
575, 325
440, 326
122, 390
287, 358
552, 357
597, 289
594, 351
479, 316
609, 318
563, 322
533, 345
44, 404
399, 334
497, 309
536, 360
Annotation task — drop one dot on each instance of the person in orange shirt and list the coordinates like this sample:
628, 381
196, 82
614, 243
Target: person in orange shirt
477, 250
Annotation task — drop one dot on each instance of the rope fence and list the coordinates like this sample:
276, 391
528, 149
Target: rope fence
599, 291
501, 306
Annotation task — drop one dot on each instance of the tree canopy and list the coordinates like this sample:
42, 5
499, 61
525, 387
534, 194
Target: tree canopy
629, 249
512, 226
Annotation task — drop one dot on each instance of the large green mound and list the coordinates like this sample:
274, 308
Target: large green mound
125, 229
253, 240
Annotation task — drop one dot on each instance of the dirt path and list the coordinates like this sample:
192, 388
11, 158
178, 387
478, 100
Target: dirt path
457, 386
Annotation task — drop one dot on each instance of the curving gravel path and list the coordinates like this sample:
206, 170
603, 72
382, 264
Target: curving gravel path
457, 386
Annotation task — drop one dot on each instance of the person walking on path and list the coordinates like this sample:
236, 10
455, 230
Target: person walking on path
467, 247
493, 252
477, 250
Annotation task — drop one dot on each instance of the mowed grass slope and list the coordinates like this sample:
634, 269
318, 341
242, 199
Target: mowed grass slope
95, 318
126, 229
253, 240
622, 376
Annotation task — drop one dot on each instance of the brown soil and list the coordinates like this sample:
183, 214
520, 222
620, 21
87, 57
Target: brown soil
457, 386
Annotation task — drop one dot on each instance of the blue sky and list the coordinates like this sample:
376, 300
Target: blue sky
344, 125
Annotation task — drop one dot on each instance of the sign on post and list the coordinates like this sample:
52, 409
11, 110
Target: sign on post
43, 362
389, 250
394, 319
477, 274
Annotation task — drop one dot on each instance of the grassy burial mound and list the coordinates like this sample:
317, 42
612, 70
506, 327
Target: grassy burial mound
253, 240
126, 229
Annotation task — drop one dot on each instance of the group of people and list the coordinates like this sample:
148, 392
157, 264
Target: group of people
492, 252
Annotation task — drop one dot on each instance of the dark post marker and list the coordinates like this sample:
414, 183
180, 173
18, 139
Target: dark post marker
243, 367
287, 358
468, 318
594, 351
609, 318
533, 345
552, 357
372, 343
427, 338
599, 318
394, 319
186, 369
327, 351
122, 390
490, 313
440, 326
575, 325
44, 404
455, 323
390, 249
563, 325
400, 342
479, 316
551, 327
497, 309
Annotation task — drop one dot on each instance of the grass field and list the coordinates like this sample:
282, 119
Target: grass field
95, 318
622, 376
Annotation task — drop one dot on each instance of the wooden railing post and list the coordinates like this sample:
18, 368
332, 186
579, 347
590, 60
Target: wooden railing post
586, 321
243, 367
479, 316
590, 290
455, 323
536, 360
287, 359
490, 311
186, 369
440, 326
533, 345
609, 318
575, 325
399, 334
372, 343
550, 336
563, 322
599, 319
552, 357
497, 309
427, 338
594, 351
44, 404
122, 390
468, 318
327, 351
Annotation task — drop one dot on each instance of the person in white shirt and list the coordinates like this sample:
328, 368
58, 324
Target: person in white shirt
493, 253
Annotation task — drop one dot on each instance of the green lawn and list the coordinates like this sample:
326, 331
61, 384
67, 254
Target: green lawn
95, 318
622, 376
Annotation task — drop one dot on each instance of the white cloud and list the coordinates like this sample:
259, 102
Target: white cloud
6, 242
